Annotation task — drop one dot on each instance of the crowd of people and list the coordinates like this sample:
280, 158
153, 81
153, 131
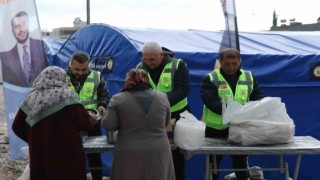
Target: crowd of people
154, 94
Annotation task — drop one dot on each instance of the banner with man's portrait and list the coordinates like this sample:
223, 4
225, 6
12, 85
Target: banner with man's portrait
22, 58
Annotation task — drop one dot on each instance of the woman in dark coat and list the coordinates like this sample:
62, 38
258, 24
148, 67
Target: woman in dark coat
49, 120
140, 114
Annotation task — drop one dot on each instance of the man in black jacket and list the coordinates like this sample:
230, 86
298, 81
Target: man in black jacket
230, 80
171, 76
89, 86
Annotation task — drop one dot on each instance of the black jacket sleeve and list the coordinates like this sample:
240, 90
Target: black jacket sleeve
103, 94
257, 92
180, 84
210, 96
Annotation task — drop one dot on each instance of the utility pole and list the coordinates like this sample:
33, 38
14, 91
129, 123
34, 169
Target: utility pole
88, 12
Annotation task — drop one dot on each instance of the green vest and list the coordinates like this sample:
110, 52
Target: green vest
88, 94
166, 80
243, 90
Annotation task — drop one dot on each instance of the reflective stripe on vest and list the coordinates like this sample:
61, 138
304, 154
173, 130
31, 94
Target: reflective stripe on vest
243, 90
88, 94
166, 80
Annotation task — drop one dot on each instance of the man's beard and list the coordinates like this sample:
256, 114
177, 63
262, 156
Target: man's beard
79, 77
22, 41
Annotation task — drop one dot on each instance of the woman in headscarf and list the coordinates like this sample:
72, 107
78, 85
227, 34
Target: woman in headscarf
49, 120
140, 114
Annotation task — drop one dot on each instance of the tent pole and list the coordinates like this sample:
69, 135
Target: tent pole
88, 12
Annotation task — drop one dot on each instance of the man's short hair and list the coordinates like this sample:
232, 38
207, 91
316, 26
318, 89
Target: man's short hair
151, 47
229, 53
19, 14
80, 57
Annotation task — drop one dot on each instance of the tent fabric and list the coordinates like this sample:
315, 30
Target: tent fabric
52, 47
283, 51
284, 64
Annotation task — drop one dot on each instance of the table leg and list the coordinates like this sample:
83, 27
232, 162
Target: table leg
296, 169
287, 170
207, 168
281, 162
214, 163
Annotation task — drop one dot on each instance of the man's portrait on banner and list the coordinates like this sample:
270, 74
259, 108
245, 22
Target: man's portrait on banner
22, 64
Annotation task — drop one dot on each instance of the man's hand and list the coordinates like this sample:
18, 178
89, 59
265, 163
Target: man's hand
93, 118
101, 110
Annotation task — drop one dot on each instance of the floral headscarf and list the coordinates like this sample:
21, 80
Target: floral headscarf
49, 94
136, 78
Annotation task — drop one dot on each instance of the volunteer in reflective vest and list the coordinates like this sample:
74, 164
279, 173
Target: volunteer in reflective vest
171, 76
239, 84
89, 87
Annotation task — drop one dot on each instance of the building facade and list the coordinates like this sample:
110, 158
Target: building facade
296, 26
65, 32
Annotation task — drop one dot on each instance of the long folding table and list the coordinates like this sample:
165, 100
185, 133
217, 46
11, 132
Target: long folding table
300, 146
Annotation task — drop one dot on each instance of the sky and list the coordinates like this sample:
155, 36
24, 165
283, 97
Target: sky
252, 15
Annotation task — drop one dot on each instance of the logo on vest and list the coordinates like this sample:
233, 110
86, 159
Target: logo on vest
243, 92
165, 81
88, 90
68, 85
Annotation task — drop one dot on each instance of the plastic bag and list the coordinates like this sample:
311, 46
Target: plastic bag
189, 132
266, 108
258, 122
26, 173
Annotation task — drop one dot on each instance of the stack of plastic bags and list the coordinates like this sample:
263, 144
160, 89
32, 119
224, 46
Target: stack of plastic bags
258, 122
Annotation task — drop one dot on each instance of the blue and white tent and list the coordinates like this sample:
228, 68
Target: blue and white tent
285, 64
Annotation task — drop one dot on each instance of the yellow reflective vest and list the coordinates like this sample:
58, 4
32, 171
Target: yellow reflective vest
166, 80
244, 88
88, 94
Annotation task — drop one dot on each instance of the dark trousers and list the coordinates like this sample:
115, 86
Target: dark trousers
95, 158
238, 161
178, 162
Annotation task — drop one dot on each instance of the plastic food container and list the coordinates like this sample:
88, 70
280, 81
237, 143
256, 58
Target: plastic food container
112, 137
95, 112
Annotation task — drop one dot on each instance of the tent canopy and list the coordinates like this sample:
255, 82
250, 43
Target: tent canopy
267, 54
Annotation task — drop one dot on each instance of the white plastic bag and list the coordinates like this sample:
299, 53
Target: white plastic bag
258, 110
189, 132
26, 173
258, 122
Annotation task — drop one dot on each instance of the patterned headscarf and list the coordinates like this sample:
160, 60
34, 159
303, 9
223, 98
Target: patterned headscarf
49, 94
136, 78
